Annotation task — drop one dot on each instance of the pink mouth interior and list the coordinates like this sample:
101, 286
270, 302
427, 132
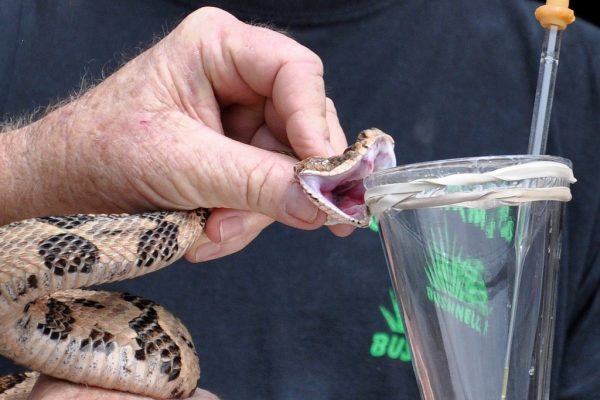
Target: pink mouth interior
345, 192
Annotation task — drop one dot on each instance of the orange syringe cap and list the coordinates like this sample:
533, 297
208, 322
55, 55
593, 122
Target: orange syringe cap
555, 12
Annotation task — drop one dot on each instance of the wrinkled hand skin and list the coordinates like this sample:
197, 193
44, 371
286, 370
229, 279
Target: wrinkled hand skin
198, 120
189, 123
47, 388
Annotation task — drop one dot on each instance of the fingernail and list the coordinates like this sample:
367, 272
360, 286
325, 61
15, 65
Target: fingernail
298, 205
230, 228
206, 251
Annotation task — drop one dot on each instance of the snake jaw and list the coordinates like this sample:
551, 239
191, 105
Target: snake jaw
335, 184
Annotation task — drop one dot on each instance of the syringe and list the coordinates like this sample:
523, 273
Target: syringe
554, 16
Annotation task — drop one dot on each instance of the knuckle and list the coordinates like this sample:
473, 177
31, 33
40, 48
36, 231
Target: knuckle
206, 25
208, 15
259, 191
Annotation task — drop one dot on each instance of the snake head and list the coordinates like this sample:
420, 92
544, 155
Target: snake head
335, 184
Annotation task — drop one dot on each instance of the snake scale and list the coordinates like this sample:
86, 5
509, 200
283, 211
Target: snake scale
122, 341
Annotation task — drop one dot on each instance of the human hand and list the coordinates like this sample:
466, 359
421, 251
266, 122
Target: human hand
189, 123
47, 388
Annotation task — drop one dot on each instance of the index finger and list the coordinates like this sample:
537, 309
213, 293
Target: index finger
280, 68
299, 98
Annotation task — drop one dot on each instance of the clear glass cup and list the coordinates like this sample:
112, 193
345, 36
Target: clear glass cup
477, 285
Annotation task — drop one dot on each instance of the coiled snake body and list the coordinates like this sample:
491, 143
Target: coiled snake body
121, 341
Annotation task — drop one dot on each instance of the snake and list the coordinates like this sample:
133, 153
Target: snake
52, 325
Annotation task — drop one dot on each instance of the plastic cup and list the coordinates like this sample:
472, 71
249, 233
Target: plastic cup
476, 274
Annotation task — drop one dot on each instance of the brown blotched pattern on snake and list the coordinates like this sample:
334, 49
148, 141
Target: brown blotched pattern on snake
98, 340
67, 252
17, 386
78, 335
151, 338
58, 322
67, 221
124, 342
8, 381
159, 243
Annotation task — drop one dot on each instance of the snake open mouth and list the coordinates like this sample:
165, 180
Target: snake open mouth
341, 188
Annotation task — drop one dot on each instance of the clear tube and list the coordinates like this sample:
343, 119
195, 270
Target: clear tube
545, 91
538, 137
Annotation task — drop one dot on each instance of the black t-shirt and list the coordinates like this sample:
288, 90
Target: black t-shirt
305, 315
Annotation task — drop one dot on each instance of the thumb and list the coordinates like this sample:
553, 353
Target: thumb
246, 177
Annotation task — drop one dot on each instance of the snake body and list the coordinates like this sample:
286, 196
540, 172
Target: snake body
111, 340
